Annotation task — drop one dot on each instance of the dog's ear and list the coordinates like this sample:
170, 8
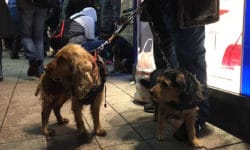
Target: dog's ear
81, 77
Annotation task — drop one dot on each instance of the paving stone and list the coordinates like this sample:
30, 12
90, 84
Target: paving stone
34, 144
4, 104
137, 116
118, 135
215, 137
237, 146
111, 120
148, 129
73, 141
130, 146
20, 133
118, 99
26, 112
126, 105
112, 89
170, 144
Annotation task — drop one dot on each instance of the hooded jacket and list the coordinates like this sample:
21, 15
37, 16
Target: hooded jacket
87, 21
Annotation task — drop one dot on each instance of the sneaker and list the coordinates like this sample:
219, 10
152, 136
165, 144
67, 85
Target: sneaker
33, 68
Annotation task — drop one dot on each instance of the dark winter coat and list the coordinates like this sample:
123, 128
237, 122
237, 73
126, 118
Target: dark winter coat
7, 27
24, 4
197, 12
187, 13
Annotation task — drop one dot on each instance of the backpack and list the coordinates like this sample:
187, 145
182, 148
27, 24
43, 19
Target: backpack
46, 3
61, 36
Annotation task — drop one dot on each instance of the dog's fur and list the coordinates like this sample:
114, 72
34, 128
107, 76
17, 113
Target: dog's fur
123, 54
177, 93
73, 74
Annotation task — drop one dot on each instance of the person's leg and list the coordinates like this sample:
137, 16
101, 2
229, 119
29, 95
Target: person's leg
38, 30
91, 45
191, 55
116, 8
106, 19
26, 29
32, 38
16, 46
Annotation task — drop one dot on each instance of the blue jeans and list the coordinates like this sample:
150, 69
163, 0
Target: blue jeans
91, 45
32, 27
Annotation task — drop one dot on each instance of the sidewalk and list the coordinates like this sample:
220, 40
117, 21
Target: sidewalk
128, 126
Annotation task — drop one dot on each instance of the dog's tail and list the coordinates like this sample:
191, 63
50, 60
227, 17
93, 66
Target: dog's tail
38, 88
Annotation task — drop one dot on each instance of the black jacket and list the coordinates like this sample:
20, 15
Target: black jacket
187, 13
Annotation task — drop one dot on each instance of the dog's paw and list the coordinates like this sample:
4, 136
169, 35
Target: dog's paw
49, 132
100, 132
196, 143
63, 121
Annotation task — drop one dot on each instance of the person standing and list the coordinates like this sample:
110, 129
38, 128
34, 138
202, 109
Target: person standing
32, 18
14, 40
109, 17
7, 28
179, 35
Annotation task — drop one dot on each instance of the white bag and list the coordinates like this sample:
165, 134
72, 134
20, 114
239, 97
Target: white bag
145, 65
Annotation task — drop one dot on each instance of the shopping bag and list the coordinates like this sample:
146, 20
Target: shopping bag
145, 66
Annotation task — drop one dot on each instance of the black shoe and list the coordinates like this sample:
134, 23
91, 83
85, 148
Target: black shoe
1, 79
14, 56
150, 108
33, 68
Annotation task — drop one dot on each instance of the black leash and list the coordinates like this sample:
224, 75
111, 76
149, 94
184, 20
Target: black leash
117, 32
155, 34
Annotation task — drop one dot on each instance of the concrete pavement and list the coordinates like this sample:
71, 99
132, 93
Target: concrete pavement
128, 126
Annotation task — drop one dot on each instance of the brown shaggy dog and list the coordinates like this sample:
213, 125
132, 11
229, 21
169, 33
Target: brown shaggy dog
77, 75
177, 94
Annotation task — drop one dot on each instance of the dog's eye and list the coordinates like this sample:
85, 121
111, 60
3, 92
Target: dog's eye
164, 84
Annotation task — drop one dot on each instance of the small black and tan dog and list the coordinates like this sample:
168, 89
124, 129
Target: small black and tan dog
123, 54
177, 94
